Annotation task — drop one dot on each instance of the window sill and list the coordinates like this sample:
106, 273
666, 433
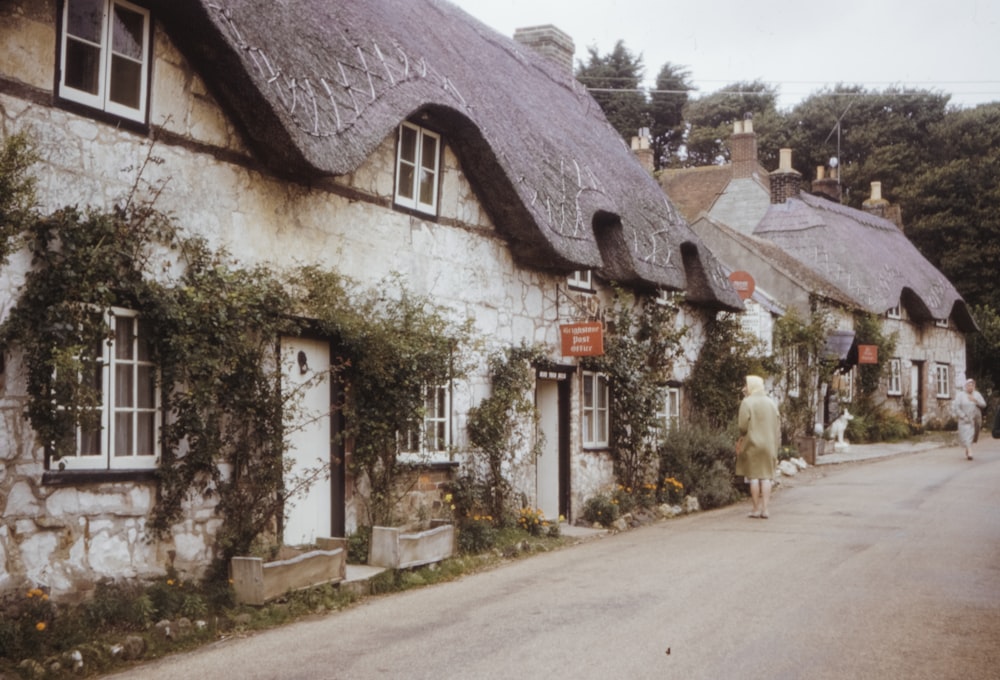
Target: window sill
84, 477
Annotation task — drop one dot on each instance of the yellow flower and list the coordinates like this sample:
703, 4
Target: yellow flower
170, 582
447, 499
40, 626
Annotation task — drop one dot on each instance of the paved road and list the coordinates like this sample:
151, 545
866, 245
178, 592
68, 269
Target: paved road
885, 569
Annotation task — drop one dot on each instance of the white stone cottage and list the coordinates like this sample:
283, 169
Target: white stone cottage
807, 251
372, 138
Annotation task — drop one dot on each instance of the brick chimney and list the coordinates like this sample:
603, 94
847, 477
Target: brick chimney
550, 42
827, 183
876, 205
743, 148
643, 150
786, 180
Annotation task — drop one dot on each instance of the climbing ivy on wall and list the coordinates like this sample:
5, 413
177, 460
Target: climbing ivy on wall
214, 328
641, 345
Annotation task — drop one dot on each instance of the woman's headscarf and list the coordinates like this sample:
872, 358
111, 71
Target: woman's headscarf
755, 384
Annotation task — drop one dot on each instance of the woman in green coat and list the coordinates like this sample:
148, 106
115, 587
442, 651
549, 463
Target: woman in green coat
760, 434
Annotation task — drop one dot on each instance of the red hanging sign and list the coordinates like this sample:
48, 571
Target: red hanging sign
867, 354
582, 339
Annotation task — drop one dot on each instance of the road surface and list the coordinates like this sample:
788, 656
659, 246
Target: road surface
886, 569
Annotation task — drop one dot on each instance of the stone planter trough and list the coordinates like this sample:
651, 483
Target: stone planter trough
256, 581
391, 548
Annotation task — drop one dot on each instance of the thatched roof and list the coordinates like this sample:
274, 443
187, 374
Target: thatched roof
317, 85
864, 255
802, 274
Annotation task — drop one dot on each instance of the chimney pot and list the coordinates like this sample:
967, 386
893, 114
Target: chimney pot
784, 160
876, 191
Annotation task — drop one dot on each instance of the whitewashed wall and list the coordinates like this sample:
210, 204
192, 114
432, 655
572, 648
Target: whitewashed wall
67, 538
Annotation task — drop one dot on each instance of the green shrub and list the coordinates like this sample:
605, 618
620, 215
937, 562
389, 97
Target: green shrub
701, 458
476, 534
601, 509
357, 545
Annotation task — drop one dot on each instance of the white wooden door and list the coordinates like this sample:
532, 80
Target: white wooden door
547, 465
306, 387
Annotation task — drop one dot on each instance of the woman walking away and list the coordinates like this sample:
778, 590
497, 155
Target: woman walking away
966, 409
760, 433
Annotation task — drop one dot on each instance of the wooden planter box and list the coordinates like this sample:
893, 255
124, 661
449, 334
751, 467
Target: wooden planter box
256, 581
392, 549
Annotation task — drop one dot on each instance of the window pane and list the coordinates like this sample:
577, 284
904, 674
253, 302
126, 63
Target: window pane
427, 186
428, 156
145, 388
408, 145
83, 19
123, 337
145, 437
142, 342
127, 35
123, 434
126, 82
124, 391
83, 66
90, 442
588, 391
406, 175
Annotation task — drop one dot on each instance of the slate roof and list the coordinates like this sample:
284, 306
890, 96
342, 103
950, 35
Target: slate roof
317, 85
864, 255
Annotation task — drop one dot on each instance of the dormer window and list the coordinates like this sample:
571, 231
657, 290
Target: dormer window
105, 56
581, 279
417, 162
894, 312
941, 323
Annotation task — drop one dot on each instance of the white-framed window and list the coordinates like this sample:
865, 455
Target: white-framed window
596, 413
418, 158
126, 434
895, 377
942, 379
756, 322
668, 416
434, 435
581, 279
105, 56
941, 323
894, 312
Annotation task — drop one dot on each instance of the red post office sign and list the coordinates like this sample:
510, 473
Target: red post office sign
582, 339
867, 354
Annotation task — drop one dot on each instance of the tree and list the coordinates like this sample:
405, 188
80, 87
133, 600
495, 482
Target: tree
627, 110
666, 108
877, 136
710, 121
952, 202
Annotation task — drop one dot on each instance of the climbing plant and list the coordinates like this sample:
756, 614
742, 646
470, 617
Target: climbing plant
500, 424
394, 346
641, 345
17, 190
213, 328
727, 356
799, 345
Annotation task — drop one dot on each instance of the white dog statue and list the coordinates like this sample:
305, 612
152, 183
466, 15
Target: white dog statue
837, 429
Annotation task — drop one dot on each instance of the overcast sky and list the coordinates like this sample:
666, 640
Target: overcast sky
950, 46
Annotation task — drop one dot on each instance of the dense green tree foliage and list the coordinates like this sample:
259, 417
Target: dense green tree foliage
627, 110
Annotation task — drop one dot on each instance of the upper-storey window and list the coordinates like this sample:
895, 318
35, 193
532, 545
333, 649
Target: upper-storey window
894, 312
417, 163
105, 56
123, 434
581, 279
